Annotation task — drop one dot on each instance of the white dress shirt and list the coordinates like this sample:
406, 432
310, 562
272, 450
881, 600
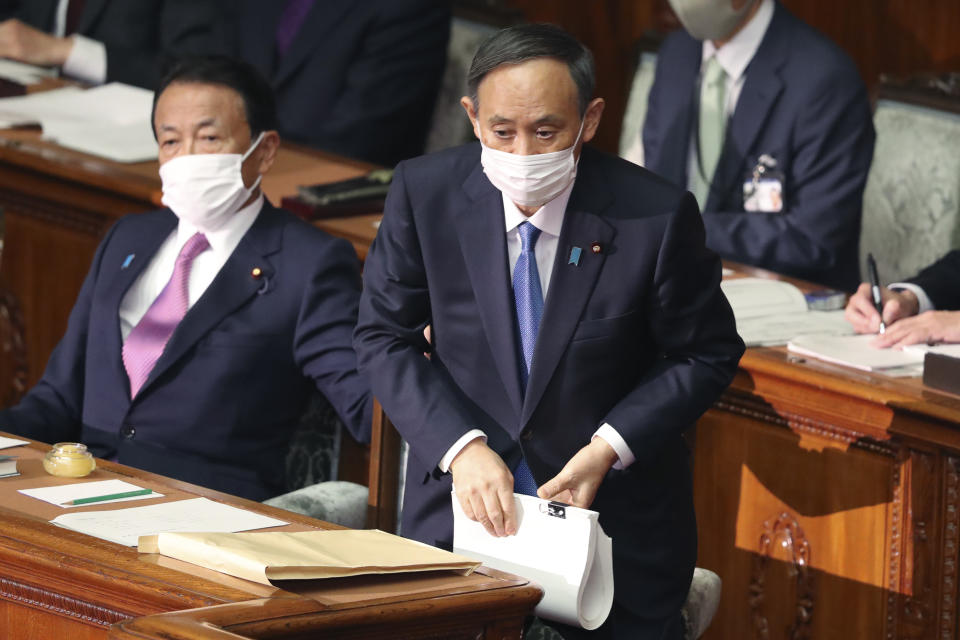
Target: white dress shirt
87, 60
206, 265
734, 57
549, 219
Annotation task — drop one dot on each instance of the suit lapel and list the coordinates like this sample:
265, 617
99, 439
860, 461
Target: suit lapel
91, 13
675, 146
480, 228
233, 286
142, 246
761, 89
570, 284
323, 18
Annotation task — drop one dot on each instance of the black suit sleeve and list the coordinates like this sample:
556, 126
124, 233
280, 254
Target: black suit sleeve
175, 28
941, 281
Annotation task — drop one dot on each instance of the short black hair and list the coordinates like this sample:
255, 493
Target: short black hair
524, 42
259, 103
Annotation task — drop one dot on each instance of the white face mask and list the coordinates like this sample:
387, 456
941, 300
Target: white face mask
530, 181
709, 19
205, 189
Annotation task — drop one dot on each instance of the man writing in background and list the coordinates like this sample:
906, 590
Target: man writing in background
768, 123
202, 329
97, 41
577, 323
925, 308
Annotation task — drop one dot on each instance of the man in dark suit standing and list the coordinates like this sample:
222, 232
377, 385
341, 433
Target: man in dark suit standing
202, 329
768, 123
355, 78
925, 308
99, 41
577, 324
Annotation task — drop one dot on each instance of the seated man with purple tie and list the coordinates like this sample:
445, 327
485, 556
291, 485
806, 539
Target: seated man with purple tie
578, 327
203, 328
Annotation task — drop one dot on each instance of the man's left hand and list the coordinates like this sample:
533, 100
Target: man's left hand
19, 41
578, 481
930, 326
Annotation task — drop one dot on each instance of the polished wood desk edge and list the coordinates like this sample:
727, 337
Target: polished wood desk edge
265, 617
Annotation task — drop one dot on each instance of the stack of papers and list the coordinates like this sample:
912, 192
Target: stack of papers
858, 352
773, 312
305, 555
125, 526
563, 548
111, 121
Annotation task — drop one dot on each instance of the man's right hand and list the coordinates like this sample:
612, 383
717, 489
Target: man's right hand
862, 314
484, 487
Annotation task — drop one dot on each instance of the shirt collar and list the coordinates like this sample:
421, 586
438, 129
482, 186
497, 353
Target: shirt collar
735, 55
227, 237
548, 218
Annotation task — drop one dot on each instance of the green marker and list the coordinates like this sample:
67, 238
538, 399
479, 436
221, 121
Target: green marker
110, 496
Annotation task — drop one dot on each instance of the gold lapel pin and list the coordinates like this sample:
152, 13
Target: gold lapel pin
596, 248
257, 272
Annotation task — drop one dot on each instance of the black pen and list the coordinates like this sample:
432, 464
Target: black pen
875, 289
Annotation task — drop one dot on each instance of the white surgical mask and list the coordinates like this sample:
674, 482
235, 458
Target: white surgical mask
205, 189
709, 19
530, 181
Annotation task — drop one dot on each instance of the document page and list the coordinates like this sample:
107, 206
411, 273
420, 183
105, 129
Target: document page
568, 554
125, 526
6, 443
23, 73
62, 494
854, 351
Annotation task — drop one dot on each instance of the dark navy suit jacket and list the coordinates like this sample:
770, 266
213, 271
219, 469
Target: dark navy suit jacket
804, 104
360, 78
638, 335
140, 36
222, 401
941, 281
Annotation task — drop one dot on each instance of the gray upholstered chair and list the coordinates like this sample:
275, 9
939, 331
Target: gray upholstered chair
911, 204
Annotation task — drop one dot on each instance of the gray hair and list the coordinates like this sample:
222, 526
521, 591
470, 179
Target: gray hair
524, 42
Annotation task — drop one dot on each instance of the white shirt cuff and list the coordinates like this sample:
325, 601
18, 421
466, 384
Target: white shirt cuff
613, 438
464, 440
925, 303
87, 60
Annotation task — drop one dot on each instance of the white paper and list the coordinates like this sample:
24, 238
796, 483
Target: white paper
570, 557
754, 297
62, 494
6, 443
23, 73
855, 351
125, 526
111, 121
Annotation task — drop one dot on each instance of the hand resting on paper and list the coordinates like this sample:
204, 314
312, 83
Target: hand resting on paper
578, 481
21, 42
903, 325
484, 487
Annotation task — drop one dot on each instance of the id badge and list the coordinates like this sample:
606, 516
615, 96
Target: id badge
763, 188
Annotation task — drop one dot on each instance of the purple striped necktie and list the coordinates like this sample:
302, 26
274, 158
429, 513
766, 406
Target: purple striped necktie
147, 340
289, 24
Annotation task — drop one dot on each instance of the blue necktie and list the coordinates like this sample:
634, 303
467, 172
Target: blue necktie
528, 296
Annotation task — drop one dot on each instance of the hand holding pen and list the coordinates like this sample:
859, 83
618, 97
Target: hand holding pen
875, 290
872, 305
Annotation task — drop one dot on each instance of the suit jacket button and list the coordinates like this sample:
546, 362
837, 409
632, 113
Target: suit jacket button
128, 432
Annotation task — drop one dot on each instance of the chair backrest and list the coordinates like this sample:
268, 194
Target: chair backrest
13, 350
449, 126
631, 129
315, 448
911, 204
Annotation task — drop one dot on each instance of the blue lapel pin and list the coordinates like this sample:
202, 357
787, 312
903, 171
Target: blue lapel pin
127, 261
575, 256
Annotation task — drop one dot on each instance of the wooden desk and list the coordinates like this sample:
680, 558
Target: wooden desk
57, 204
828, 500
56, 583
